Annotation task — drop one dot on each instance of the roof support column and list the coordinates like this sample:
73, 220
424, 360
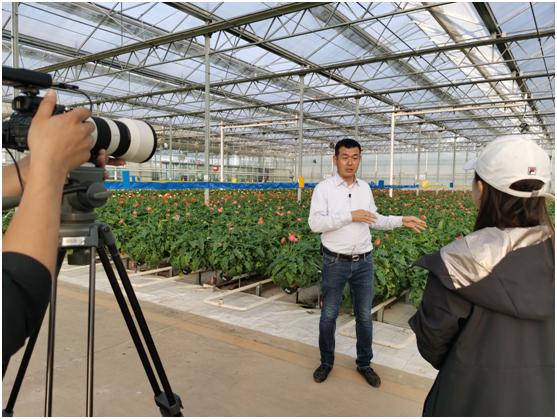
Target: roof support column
207, 113
300, 137
454, 161
357, 131
393, 122
170, 166
418, 164
15, 50
438, 159
321, 169
221, 151
376, 158
466, 171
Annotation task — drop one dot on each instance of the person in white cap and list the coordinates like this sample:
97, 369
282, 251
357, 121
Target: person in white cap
487, 317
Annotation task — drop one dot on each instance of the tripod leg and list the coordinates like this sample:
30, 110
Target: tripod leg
168, 402
9, 409
91, 333
128, 319
51, 334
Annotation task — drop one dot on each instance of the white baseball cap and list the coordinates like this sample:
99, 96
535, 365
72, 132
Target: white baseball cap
511, 158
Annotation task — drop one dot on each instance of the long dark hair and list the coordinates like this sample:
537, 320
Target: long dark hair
501, 210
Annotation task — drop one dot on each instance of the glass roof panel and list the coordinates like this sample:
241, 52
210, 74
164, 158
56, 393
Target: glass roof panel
54, 34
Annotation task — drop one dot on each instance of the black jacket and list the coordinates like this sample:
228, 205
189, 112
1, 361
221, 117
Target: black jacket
487, 323
25, 296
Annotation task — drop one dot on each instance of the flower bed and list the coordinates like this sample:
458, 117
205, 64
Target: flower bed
266, 233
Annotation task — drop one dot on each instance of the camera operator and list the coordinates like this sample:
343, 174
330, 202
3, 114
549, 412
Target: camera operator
57, 144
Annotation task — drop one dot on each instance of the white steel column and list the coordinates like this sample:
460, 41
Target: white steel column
466, 171
357, 133
300, 136
425, 171
170, 165
15, 38
321, 170
376, 158
221, 152
393, 121
438, 158
15, 51
207, 113
419, 157
454, 161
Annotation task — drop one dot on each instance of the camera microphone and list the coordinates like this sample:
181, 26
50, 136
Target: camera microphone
19, 77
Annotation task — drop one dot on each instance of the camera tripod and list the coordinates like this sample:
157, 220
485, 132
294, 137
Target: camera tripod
80, 233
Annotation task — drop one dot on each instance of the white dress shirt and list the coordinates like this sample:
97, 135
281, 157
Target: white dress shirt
330, 214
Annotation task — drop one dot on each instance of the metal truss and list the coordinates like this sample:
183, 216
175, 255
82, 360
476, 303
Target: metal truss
387, 60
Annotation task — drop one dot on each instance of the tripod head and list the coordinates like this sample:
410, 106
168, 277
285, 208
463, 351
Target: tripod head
83, 193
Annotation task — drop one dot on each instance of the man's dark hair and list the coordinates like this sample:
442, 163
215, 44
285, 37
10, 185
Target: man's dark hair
347, 143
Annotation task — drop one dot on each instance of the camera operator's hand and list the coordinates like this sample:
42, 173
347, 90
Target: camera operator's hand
10, 179
103, 160
61, 142
58, 144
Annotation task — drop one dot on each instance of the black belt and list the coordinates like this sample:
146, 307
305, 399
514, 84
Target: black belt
353, 258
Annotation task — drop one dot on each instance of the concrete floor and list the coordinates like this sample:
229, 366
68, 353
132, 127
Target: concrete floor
218, 369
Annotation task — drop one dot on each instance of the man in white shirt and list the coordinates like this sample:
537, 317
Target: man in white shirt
343, 210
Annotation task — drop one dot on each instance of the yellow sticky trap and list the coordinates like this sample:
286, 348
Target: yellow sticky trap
301, 182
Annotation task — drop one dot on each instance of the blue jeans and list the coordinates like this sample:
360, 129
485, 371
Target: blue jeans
359, 275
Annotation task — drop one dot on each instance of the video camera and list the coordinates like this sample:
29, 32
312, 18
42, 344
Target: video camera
128, 139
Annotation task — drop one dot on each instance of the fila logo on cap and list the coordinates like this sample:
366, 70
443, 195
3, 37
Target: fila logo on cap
532, 171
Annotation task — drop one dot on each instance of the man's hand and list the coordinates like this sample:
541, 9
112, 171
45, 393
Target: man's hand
414, 223
363, 216
62, 142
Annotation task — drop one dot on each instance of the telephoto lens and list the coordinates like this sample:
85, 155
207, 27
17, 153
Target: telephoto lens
129, 139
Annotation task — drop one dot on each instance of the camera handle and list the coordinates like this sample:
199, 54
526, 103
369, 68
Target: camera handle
100, 239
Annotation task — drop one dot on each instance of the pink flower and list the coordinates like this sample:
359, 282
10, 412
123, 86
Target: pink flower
176, 216
134, 213
135, 205
187, 214
148, 209
289, 212
121, 221
239, 206
292, 238
260, 221
298, 219
459, 237
220, 210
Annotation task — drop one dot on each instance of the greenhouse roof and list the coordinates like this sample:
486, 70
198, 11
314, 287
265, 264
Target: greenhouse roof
457, 74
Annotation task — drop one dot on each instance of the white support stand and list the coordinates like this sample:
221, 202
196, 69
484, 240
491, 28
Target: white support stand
218, 300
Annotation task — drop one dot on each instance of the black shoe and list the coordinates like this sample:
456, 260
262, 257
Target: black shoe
321, 373
371, 376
